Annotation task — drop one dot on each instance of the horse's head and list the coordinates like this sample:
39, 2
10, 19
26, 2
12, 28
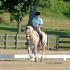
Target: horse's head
28, 29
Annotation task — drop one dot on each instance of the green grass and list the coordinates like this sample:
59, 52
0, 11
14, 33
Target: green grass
57, 26
6, 28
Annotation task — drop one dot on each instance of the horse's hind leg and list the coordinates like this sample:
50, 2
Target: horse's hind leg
43, 51
36, 54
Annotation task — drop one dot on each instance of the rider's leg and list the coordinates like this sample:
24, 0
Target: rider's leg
38, 31
40, 34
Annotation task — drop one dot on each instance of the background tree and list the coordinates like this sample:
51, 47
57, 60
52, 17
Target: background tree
17, 9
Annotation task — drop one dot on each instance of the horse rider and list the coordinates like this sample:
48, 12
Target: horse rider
37, 22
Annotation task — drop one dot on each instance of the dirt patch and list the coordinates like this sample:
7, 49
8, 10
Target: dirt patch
46, 65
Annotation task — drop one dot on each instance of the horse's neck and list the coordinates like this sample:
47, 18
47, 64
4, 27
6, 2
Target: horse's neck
34, 34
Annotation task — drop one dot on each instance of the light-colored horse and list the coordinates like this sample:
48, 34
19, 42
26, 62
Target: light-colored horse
33, 41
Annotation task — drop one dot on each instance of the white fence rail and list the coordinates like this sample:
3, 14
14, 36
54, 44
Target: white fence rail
25, 56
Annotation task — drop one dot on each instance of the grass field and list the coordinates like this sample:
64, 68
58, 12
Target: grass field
54, 26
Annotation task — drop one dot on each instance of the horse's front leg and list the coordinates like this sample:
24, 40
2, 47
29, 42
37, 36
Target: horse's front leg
29, 51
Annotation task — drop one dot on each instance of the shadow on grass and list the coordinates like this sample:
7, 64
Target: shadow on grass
10, 29
49, 31
57, 32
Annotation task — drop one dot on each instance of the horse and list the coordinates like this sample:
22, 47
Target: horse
33, 42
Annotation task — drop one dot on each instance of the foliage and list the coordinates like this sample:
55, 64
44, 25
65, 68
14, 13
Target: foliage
57, 6
19, 8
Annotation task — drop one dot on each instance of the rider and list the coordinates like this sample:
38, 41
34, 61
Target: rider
37, 22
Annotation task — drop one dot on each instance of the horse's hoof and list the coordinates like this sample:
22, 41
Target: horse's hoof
32, 59
36, 59
41, 59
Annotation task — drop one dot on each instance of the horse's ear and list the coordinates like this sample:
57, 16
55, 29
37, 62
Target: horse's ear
25, 29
